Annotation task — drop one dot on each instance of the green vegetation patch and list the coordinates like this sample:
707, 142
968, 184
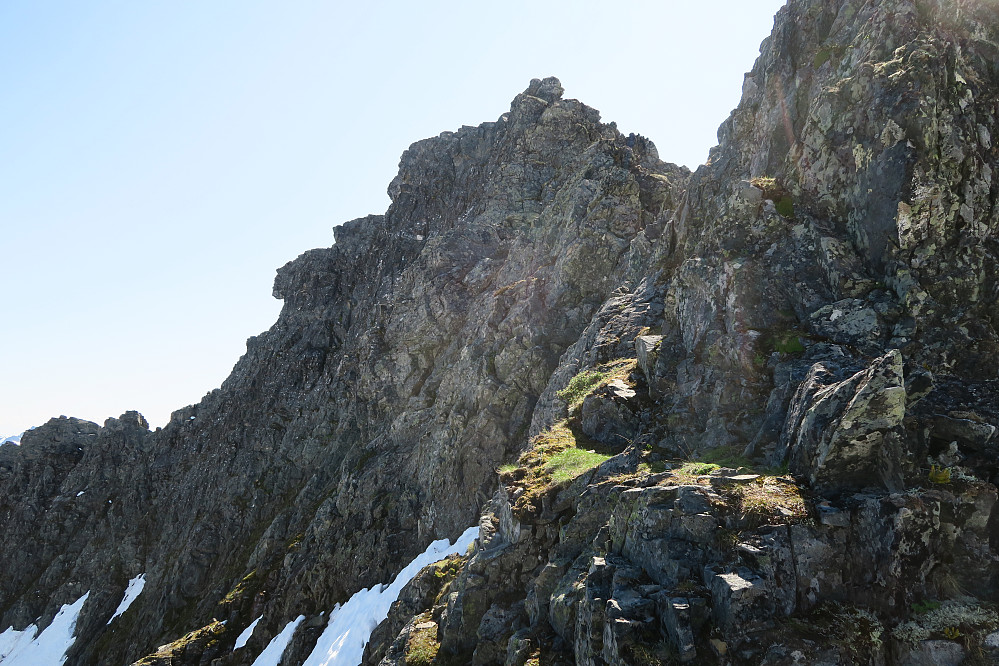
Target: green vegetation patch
588, 381
446, 571
644, 469
653, 654
855, 630
696, 468
690, 473
925, 606
727, 456
422, 645
449, 566
787, 342
785, 206
245, 587
554, 458
569, 464
556, 439
731, 456
206, 637
774, 190
824, 55
770, 500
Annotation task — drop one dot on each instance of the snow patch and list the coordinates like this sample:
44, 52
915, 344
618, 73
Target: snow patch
350, 625
272, 653
13, 439
245, 636
14, 642
133, 590
49, 647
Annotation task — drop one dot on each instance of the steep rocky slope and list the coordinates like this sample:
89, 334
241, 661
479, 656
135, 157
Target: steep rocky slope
815, 305
369, 420
828, 304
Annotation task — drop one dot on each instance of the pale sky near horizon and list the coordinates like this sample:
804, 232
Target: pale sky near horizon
160, 160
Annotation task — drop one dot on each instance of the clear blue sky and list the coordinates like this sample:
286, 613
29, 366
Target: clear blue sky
161, 159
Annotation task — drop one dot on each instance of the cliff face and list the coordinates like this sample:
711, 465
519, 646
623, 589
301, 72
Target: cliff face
819, 299
369, 420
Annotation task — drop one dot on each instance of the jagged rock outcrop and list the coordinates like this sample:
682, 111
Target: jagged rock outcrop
850, 434
815, 305
724, 567
403, 370
790, 314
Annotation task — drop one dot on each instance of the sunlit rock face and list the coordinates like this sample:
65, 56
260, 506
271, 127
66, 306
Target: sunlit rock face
740, 415
794, 317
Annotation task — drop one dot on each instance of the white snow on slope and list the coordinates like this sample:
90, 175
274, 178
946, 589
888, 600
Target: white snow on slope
13, 439
133, 590
245, 636
13, 642
350, 625
272, 653
49, 647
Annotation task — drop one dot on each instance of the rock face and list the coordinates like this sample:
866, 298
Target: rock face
816, 305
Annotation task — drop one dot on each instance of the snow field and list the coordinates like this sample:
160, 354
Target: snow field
49, 647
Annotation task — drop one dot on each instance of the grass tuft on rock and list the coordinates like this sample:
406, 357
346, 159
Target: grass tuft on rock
422, 645
727, 456
774, 190
569, 464
557, 456
787, 342
770, 500
588, 381
246, 587
691, 473
197, 641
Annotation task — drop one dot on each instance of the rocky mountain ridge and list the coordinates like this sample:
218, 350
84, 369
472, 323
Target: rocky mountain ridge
808, 321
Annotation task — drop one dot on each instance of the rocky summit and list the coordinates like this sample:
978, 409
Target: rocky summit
745, 415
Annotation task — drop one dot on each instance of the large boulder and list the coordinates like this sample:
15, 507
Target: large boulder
848, 434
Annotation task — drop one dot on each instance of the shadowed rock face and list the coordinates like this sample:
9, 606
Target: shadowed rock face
820, 295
